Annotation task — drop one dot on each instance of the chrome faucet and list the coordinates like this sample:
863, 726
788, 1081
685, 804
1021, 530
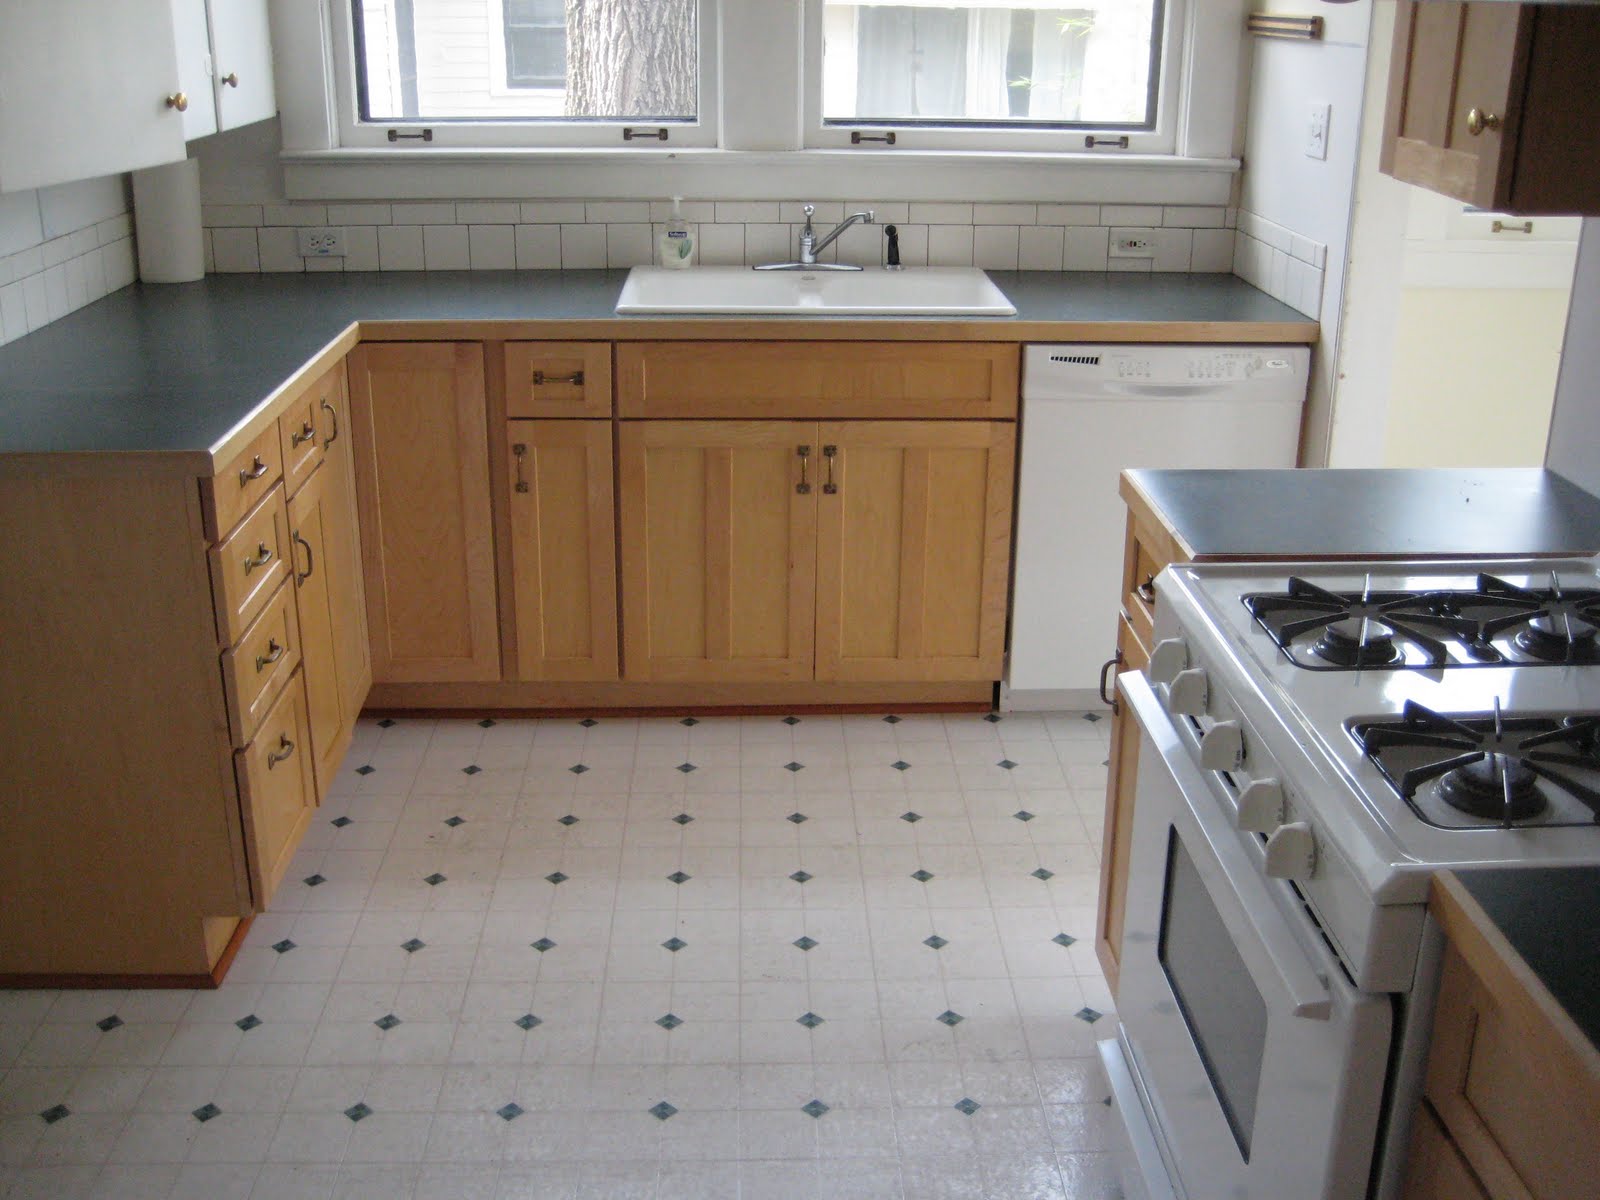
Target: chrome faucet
810, 246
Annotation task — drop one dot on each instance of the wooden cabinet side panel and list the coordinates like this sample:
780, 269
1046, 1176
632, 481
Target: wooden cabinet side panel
1555, 163
420, 426
563, 549
114, 737
1117, 837
1435, 1169
351, 645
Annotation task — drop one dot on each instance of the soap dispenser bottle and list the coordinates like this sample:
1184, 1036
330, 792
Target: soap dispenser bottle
675, 246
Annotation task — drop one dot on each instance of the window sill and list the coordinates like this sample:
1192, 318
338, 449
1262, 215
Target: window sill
440, 173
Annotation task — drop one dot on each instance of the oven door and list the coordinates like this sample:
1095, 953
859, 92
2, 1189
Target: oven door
1259, 1064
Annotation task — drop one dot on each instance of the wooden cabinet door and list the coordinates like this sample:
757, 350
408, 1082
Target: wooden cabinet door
563, 549
1117, 837
276, 791
913, 554
311, 516
419, 422
347, 598
718, 549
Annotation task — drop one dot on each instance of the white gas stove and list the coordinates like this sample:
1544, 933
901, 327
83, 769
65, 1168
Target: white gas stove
1318, 741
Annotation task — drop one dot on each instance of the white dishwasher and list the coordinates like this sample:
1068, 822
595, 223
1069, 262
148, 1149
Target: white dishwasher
1089, 412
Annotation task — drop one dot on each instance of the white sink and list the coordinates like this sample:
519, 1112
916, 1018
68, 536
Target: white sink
915, 291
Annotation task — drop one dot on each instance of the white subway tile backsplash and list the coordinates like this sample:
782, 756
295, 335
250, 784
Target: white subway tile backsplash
493, 247
324, 266
949, 245
497, 213
885, 212
444, 248
1130, 266
1291, 272
1086, 248
721, 245
218, 216
280, 249
68, 207
1212, 251
122, 266
1069, 214
20, 225
941, 214
1005, 214
629, 244
610, 212
692, 210
294, 214
913, 245
1174, 249
55, 246
13, 313
423, 214
747, 213
553, 212
55, 291
538, 247
399, 247
1303, 248
583, 247
1192, 217
235, 250
995, 247
1039, 248
767, 243
34, 297
827, 214
360, 214
360, 247
1130, 214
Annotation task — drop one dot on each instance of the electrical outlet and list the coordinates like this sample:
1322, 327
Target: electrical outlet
1133, 245
321, 242
1317, 130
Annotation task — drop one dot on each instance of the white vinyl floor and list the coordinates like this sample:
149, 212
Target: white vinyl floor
760, 957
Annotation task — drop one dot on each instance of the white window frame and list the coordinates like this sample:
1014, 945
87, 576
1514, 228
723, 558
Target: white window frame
1162, 139
490, 135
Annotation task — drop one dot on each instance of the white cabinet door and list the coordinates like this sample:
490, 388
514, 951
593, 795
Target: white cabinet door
241, 48
83, 90
192, 37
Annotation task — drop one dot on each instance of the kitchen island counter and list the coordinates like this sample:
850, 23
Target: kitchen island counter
173, 368
1393, 513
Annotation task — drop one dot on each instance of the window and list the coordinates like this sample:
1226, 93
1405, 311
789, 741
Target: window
990, 75
507, 72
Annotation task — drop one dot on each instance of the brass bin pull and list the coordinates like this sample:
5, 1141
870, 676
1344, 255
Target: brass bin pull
263, 557
274, 757
310, 562
540, 379
1106, 669
334, 413
804, 486
520, 449
1147, 589
273, 654
257, 469
308, 432
830, 453
1478, 121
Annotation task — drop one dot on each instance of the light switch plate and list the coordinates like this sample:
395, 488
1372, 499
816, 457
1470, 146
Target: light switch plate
1317, 119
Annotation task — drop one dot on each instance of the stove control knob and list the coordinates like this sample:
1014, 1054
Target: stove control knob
1260, 806
1292, 852
1170, 656
1188, 693
1222, 747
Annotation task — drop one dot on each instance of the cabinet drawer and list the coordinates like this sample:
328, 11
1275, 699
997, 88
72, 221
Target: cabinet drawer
239, 487
817, 379
558, 379
276, 792
253, 672
1140, 564
300, 440
248, 567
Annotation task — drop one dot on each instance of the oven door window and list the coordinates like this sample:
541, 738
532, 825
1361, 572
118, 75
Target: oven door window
1221, 1005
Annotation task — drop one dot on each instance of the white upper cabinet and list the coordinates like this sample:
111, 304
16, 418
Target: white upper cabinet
191, 34
241, 50
84, 90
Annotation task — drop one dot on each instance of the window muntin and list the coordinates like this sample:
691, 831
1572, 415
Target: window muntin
529, 72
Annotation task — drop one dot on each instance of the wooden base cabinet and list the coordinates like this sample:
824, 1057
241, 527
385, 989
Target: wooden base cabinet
1117, 839
420, 428
563, 549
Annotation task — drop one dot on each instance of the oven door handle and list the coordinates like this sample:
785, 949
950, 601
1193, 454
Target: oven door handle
1308, 992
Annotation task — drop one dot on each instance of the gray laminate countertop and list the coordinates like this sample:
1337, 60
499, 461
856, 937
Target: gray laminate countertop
1380, 513
1549, 914
176, 367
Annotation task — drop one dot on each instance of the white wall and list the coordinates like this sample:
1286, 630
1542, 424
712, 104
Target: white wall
1285, 192
61, 248
1575, 427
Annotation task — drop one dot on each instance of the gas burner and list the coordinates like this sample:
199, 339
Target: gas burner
1357, 642
1557, 625
1491, 768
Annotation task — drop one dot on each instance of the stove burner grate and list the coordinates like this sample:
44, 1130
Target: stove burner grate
1492, 767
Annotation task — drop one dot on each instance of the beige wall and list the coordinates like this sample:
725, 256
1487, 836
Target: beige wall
1473, 377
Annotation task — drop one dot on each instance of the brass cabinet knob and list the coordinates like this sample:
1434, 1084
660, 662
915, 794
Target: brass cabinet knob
179, 101
231, 79
1478, 121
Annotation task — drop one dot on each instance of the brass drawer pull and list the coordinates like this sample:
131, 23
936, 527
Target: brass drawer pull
1478, 121
274, 757
521, 451
1147, 589
310, 563
263, 557
257, 469
273, 654
830, 453
334, 413
804, 486
308, 432
1106, 669
231, 79
540, 379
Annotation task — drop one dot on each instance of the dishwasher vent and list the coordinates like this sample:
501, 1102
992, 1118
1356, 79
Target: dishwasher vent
1078, 360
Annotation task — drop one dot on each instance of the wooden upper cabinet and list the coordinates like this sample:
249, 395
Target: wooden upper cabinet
718, 549
563, 549
817, 379
419, 424
914, 536
1494, 104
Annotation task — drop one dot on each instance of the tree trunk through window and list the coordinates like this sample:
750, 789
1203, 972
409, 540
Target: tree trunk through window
631, 58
